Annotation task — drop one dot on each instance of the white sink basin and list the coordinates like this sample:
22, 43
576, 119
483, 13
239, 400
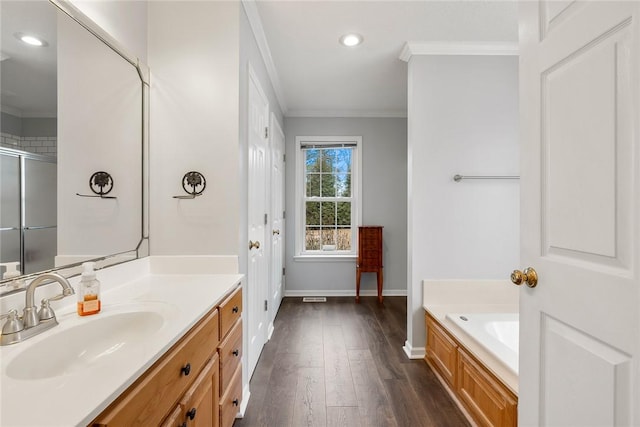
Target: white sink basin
89, 341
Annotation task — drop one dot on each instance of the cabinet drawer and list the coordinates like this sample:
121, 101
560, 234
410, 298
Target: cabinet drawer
488, 401
197, 402
230, 311
149, 400
230, 351
230, 401
175, 418
441, 351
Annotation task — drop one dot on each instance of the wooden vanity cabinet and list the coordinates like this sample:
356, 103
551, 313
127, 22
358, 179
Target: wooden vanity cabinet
184, 388
485, 398
149, 400
230, 351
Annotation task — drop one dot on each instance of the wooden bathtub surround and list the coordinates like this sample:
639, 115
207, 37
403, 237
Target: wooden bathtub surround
484, 396
369, 257
184, 387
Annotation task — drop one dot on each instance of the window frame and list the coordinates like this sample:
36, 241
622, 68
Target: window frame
356, 200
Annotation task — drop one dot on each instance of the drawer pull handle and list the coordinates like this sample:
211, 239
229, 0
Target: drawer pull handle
236, 402
192, 413
235, 309
236, 352
186, 369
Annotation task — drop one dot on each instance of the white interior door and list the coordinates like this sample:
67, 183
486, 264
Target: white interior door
579, 117
276, 288
258, 245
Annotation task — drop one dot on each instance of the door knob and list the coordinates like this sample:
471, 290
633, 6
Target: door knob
255, 244
528, 276
276, 232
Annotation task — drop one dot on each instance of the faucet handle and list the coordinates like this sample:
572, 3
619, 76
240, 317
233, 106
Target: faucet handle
65, 293
46, 312
13, 324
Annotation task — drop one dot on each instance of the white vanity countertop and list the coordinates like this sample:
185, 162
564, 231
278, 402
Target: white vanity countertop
77, 397
473, 296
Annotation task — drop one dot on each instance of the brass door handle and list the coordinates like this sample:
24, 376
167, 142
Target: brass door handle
274, 232
255, 244
528, 276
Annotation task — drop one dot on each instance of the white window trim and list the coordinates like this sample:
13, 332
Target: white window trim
356, 194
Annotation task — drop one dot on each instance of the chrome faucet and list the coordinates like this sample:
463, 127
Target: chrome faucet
33, 322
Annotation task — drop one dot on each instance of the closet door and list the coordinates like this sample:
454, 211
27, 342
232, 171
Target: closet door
580, 204
258, 268
276, 283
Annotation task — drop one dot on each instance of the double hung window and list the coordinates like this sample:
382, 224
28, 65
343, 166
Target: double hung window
328, 195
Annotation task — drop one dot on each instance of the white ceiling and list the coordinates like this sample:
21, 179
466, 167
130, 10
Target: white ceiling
319, 77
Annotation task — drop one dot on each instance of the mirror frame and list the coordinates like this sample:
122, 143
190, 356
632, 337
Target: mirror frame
142, 248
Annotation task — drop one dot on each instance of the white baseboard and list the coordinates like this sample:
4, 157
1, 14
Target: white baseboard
413, 352
270, 330
246, 394
344, 293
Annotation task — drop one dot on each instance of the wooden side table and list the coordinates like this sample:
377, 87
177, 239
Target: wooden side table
369, 256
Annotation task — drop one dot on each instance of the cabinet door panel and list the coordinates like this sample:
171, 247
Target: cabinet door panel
441, 352
487, 400
197, 402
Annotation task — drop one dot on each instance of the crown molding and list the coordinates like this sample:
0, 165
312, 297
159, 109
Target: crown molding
255, 22
348, 113
458, 48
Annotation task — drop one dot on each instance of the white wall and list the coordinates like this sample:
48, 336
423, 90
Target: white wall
193, 56
463, 119
384, 201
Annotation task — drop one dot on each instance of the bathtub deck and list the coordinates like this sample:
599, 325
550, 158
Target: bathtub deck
342, 364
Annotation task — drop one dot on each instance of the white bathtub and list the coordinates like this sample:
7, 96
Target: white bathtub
498, 333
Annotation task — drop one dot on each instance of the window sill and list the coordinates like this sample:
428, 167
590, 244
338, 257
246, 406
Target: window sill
325, 258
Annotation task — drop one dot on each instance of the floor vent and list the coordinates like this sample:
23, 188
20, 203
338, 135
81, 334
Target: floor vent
314, 299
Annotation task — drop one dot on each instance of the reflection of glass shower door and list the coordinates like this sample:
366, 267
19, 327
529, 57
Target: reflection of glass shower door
28, 210
9, 208
40, 214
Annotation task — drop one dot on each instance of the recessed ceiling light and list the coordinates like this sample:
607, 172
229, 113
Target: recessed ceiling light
351, 40
30, 40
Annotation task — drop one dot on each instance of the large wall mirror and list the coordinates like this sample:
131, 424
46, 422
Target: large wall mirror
73, 143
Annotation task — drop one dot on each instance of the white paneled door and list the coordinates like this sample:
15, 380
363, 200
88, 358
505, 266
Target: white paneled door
258, 245
276, 284
580, 208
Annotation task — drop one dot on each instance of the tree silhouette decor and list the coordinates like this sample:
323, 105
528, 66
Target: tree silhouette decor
195, 181
101, 183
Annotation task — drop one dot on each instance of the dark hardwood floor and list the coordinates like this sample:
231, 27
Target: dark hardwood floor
341, 364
